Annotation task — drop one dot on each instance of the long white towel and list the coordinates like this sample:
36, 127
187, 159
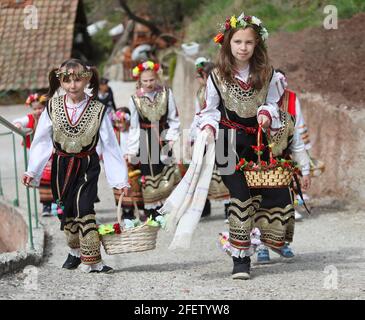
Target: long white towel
186, 203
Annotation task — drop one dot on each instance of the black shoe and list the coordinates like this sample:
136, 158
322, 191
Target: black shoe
106, 269
241, 268
71, 262
46, 210
128, 214
207, 209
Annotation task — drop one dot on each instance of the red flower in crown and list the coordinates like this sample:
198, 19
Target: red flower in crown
219, 38
156, 67
31, 99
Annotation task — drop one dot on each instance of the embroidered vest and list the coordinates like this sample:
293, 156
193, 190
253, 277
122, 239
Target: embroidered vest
244, 102
81, 136
152, 110
282, 139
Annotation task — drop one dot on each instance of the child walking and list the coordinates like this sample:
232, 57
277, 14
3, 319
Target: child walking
241, 94
37, 104
155, 126
73, 124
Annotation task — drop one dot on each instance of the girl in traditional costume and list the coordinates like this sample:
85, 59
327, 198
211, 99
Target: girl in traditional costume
72, 125
37, 103
241, 95
154, 127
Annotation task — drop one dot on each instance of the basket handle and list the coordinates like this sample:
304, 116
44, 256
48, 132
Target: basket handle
119, 215
259, 142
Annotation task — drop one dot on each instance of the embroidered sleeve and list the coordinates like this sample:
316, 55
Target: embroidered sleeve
134, 130
210, 115
115, 166
173, 121
40, 149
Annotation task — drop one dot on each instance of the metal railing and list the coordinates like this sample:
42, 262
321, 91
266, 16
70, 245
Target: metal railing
15, 202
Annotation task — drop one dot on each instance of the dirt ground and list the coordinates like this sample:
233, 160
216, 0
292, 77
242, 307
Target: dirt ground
328, 62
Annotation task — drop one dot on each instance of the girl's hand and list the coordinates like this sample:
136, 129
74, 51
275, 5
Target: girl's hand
18, 125
125, 190
210, 133
26, 180
305, 183
263, 120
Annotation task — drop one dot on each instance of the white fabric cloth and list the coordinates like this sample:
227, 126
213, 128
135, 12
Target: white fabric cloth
173, 121
211, 115
186, 203
23, 121
42, 147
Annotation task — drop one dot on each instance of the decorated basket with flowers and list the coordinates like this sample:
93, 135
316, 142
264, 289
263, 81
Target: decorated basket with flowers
130, 235
276, 173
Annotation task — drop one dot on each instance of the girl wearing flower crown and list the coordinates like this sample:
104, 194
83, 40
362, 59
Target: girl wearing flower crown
155, 126
36, 102
241, 95
73, 125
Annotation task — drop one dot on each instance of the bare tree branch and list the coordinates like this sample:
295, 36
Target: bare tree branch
155, 30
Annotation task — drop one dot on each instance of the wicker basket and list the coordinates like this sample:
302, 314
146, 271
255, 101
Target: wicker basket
140, 238
270, 178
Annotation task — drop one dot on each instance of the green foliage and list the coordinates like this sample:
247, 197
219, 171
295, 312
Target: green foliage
277, 15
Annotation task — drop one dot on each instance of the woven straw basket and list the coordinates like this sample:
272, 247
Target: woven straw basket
270, 178
140, 238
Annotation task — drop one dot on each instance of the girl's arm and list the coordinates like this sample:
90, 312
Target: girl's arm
40, 149
21, 122
300, 125
210, 115
173, 121
115, 166
134, 130
271, 108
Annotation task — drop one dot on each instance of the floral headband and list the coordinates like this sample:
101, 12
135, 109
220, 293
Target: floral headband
69, 72
35, 98
241, 22
200, 63
147, 65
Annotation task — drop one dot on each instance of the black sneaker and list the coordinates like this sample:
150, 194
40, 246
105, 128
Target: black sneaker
46, 211
226, 206
128, 214
207, 209
241, 268
106, 269
71, 262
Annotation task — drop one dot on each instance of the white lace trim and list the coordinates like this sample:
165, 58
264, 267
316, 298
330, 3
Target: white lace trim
91, 267
75, 253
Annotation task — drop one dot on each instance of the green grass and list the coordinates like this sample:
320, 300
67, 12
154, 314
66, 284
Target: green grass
277, 15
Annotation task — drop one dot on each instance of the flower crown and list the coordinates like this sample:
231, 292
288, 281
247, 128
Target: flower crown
35, 98
147, 65
200, 63
69, 72
241, 22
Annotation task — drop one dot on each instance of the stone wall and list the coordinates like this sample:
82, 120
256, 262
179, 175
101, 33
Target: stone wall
13, 230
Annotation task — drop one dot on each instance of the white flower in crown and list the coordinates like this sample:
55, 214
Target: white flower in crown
264, 34
256, 21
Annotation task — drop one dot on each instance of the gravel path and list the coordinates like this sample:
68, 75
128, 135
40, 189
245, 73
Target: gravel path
329, 262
